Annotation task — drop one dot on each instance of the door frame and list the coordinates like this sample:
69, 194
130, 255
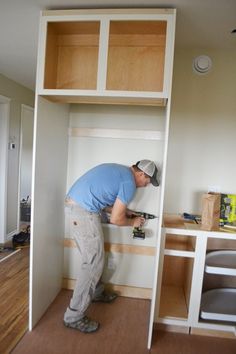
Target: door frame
4, 138
23, 107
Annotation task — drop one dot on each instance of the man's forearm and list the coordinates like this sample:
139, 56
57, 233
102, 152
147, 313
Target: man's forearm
136, 221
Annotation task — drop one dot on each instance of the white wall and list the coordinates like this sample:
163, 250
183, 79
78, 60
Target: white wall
202, 140
87, 152
4, 128
201, 143
27, 124
18, 95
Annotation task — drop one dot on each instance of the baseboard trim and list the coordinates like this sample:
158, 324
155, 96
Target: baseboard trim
171, 328
193, 330
212, 333
122, 290
11, 234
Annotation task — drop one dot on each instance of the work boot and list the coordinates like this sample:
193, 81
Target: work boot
85, 325
105, 297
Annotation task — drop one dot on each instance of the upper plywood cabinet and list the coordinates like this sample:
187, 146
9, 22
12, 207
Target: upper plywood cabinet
71, 60
106, 56
136, 54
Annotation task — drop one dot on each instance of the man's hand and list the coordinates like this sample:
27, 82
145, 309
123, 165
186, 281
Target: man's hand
120, 216
138, 221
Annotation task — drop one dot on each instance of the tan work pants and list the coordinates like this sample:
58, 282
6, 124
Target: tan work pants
88, 235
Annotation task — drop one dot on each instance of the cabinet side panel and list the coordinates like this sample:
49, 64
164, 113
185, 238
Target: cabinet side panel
51, 60
48, 192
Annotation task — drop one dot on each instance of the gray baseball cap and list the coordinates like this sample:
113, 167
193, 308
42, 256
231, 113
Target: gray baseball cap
150, 169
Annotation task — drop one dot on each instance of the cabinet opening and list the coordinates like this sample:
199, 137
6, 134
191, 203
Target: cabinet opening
218, 281
180, 242
220, 244
71, 58
176, 287
136, 55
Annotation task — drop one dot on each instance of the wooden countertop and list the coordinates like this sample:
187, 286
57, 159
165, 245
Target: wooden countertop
176, 221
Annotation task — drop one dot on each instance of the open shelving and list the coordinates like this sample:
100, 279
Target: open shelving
203, 300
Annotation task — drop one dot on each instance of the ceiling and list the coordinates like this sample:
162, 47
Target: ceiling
200, 24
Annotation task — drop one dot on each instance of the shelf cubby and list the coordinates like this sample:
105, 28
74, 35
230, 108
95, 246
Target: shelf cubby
176, 287
136, 55
221, 262
71, 60
219, 305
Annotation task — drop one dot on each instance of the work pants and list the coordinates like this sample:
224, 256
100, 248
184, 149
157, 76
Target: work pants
87, 232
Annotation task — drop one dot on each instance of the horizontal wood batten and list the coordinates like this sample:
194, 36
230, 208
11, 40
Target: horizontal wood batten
78, 40
116, 133
122, 290
115, 40
118, 248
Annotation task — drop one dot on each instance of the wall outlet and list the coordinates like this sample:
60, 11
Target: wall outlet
12, 146
111, 263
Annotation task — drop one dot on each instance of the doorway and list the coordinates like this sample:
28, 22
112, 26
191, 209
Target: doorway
25, 166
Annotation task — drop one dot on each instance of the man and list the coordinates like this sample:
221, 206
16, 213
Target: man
107, 187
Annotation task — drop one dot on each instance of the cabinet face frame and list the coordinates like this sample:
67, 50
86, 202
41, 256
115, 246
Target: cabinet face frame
203, 239
101, 91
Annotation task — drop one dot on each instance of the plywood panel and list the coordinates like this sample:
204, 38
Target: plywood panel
178, 242
135, 68
77, 68
140, 27
72, 55
216, 244
136, 55
136, 40
173, 302
51, 60
106, 99
174, 271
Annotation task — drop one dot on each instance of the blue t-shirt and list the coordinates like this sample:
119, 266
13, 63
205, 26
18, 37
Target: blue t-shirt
100, 186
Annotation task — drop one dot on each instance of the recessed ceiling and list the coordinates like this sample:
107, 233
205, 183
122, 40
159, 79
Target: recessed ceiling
204, 24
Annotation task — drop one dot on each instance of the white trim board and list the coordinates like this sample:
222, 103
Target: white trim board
116, 133
4, 136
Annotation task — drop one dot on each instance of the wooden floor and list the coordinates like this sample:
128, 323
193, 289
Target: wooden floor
14, 293
123, 330
124, 325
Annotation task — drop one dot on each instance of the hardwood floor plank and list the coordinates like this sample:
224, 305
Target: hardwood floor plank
14, 295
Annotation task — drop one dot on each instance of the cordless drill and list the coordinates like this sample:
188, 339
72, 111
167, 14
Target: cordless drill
138, 232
